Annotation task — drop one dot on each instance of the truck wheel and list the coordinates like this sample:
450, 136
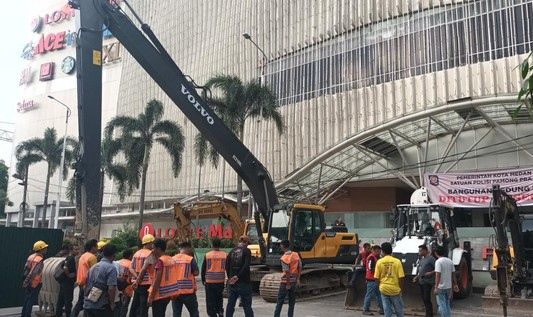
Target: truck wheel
463, 274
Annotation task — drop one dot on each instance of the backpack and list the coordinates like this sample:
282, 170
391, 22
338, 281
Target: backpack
59, 273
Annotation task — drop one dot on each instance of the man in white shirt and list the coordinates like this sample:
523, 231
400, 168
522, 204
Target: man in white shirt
444, 282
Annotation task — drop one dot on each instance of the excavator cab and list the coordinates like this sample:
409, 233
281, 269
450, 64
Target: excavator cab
304, 226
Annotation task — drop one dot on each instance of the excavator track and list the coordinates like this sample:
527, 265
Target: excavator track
314, 283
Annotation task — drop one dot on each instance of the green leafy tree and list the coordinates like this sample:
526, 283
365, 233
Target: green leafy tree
125, 238
137, 137
48, 149
243, 101
24, 161
4, 178
525, 96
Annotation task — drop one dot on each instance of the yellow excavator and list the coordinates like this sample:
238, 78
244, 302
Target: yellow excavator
185, 214
323, 251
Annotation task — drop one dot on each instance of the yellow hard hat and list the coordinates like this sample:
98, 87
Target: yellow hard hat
39, 245
100, 244
148, 238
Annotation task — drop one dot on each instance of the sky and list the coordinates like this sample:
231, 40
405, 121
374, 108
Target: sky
15, 23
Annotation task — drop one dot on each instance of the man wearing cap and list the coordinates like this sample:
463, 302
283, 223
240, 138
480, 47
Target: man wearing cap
100, 245
33, 271
238, 272
141, 268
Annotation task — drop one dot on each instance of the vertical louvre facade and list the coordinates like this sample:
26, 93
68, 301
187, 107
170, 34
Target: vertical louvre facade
337, 67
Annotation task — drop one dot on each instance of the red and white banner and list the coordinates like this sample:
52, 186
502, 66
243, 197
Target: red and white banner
475, 189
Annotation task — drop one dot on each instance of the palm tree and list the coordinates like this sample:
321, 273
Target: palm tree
24, 161
137, 137
242, 101
49, 149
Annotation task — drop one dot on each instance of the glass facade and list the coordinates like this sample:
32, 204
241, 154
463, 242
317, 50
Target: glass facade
420, 43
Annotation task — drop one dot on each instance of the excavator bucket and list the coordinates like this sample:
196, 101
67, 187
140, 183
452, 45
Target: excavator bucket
412, 298
356, 289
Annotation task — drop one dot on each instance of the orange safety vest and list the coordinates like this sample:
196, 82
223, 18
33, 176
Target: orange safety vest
291, 259
215, 267
124, 273
137, 264
83, 268
185, 278
168, 287
32, 262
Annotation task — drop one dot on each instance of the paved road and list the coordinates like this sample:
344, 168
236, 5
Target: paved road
332, 306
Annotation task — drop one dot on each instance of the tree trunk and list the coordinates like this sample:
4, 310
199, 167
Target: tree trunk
102, 179
143, 186
24, 194
239, 179
46, 189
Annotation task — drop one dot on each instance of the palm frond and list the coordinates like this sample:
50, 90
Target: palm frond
153, 112
200, 149
127, 124
71, 190
174, 146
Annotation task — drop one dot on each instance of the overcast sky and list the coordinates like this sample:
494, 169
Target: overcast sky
14, 25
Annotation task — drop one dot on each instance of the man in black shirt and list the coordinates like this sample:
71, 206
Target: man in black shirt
238, 272
426, 277
66, 280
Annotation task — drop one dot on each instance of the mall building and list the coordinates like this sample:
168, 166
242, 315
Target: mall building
374, 94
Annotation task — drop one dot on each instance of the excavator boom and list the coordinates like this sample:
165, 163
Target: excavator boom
145, 47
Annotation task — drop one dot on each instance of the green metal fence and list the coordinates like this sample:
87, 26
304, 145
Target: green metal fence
15, 246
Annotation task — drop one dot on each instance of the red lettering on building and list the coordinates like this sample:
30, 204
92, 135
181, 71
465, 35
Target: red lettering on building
50, 42
214, 230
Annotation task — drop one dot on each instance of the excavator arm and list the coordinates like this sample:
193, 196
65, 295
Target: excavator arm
145, 47
185, 214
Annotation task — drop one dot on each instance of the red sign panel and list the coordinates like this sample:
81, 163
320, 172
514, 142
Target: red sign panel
47, 72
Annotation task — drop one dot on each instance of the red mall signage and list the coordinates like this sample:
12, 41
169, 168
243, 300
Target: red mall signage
50, 42
170, 233
57, 16
26, 105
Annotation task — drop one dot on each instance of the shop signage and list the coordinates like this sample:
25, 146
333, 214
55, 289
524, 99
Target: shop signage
111, 53
214, 230
58, 16
50, 42
46, 72
27, 51
475, 189
26, 76
26, 105
68, 64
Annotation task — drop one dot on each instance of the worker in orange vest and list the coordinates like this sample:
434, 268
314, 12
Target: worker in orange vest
164, 280
187, 270
33, 271
213, 277
292, 268
141, 267
86, 261
124, 278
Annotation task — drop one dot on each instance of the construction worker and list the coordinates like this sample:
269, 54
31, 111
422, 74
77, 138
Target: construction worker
187, 272
99, 254
291, 266
372, 291
124, 276
86, 261
102, 286
33, 271
164, 277
238, 272
213, 277
141, 266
